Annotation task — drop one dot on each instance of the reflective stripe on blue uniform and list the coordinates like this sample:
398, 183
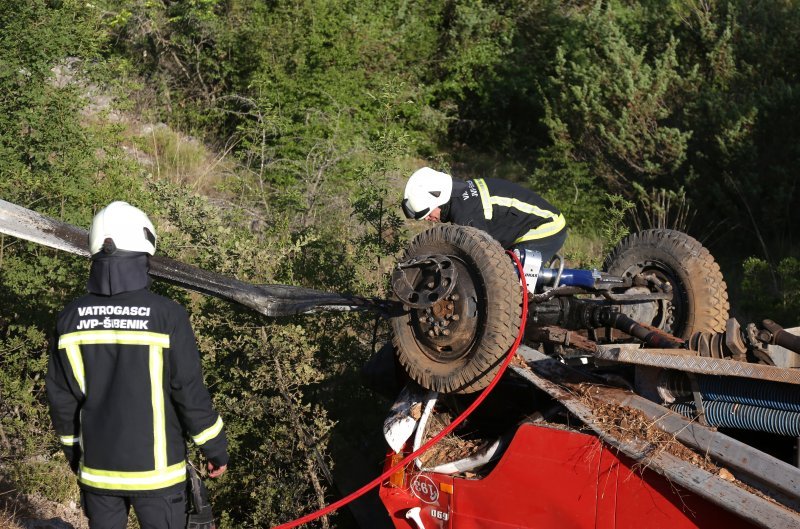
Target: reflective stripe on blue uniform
554, 221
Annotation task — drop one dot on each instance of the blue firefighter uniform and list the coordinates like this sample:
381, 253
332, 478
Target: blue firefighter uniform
515, 216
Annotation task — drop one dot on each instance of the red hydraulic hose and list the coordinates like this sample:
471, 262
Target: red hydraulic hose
377, 481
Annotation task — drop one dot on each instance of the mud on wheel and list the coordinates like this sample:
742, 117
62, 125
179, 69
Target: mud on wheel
457, 344
700, 298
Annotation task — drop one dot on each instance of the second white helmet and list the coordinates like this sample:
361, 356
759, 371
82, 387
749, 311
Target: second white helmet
426, 190
127, 227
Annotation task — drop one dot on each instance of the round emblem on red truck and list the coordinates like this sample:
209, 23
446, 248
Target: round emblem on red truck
425, 489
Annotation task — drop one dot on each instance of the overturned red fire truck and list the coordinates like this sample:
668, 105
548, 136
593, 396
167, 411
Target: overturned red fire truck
635, 400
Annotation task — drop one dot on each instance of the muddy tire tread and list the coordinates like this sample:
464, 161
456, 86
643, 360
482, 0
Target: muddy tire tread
703, 286
501, 295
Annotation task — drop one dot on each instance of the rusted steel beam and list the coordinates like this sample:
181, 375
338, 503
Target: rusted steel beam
684, 360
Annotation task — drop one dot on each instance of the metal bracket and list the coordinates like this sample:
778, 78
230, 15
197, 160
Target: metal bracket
698, 399
436, 279
757, 345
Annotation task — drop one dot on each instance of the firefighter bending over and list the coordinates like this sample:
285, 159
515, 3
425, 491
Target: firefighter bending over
125, 385
516, 217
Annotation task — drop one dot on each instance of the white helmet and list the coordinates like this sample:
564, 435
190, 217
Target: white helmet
426, 190
127, 227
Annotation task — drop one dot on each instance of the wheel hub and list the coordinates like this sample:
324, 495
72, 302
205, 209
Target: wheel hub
641, 311
438, 277
447, 328
660, 313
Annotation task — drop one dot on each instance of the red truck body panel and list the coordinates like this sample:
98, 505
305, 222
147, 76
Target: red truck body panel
553, 479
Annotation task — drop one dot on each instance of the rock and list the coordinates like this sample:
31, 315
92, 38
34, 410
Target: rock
727, 476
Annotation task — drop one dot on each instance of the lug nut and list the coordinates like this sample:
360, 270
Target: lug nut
455, 317
446, 332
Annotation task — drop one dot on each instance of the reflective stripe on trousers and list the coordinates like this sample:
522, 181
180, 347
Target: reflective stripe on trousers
146, 480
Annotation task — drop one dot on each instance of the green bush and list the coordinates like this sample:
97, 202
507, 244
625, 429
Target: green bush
772, 292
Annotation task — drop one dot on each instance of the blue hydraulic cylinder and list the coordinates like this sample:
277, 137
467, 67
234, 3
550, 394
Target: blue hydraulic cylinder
569, 277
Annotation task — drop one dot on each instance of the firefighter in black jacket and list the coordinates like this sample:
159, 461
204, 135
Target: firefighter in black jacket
515, 216
125, 384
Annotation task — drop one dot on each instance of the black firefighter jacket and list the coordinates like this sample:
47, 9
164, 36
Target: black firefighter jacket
124, 384
508, 212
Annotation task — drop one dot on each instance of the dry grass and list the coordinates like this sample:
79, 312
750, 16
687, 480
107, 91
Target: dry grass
8, 520
178, 158
18, 510
450, 448
629, 425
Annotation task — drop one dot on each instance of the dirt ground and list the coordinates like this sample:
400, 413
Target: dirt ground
31, 511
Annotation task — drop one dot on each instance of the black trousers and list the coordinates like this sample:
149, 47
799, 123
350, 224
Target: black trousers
548, 246
155, 512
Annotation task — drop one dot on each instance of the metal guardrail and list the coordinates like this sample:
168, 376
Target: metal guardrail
270, 300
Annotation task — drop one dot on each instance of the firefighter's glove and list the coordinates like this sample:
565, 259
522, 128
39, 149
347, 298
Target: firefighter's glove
73, 455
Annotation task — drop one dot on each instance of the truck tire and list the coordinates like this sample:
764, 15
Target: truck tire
700, 296
480, 317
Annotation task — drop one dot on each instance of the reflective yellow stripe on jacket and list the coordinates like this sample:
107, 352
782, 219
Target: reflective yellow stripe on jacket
545, 230
555, 225
149, 480
114, 337
76, 363
486, 198
162, 475
209, 433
